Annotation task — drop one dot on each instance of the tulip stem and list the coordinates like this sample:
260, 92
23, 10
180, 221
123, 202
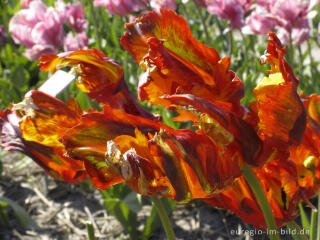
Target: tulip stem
263, 201
202, 19
230, 43
313, 225
311, 60
95, 27
164, 217
90, 231
304, 218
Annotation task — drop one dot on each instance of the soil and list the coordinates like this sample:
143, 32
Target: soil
61, 210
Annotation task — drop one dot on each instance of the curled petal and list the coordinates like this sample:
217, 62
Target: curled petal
45, 118
306, 156
50, 157
223, 126
164, 46
279, 182
151, 157
280, 111
88, 140
99, 75
191, 168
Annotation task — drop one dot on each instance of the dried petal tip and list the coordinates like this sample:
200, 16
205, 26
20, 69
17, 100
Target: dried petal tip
27, 106
113, 154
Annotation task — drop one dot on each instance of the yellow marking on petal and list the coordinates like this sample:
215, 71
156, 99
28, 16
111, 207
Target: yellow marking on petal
165, 71
310, 163
214, 130
266, 83
143, 184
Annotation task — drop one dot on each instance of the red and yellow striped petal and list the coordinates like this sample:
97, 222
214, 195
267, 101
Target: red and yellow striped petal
151, 157
279, 182
47, 154
224, 127
280, 111
306, 156
177, 63
98, 75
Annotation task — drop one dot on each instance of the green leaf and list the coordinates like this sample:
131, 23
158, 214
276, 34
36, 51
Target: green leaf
83, 100
167, 119
124, 215
304, 218
131, 200
123, 204
153, 223
19, 77
22, 216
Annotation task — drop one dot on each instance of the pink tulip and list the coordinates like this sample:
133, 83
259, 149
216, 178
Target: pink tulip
80, 41
61, 9
231, 10
121, 7
23, 22
38, 28
201, 3
49, 31
76, 17
38, 50
168, 4
258, 24
290, 18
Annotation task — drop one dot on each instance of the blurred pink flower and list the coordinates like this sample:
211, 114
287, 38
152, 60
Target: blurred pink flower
121, 7
49, 31
23, 22
38, 28
61, 9
258, 24
168, 4
38, 50
80, 41
202, 3
76, 17
231, 10
289, 18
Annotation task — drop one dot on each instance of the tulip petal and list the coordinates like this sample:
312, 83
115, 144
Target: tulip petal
224, 127
280, 110
151, 157
279, 182
49, 157
99, 75
88, 140
177, 63
306, 156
